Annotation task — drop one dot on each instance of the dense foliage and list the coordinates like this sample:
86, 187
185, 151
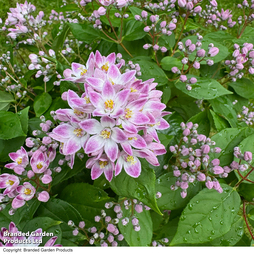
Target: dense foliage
127, 123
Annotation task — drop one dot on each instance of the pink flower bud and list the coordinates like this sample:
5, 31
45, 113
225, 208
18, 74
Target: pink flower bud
188, 43
189, 6
192, 47
139, 208
193, 80
196, 65
201, 53
46, 179
213, 3
174, 69
248, 156
182, 3
213, 51
101, 11
198, 9
144, 14
43, 196
209, 184
201, 177
163, 24
183, 78
30, 174
218, 170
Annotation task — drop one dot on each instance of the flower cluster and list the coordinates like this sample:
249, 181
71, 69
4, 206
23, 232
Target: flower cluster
242, 62
246, 115
248, 14
23, 20
33, 166
106, 231
193, 160
12, 237
217, 18
107, 119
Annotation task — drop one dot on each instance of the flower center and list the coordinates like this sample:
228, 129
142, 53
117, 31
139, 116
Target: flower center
105, 66
19, 160
39, 165
27, 191
83, 71
78, 132
10, 182
131, 160
109, 104
103, 164
133, 90
111, 81
132, 138
78, 112
105, 134
128, 113
87, 100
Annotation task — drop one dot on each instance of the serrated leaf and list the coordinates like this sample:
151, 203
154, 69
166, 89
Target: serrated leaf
203, 89
141, 188
219, 122
208, 216
10, 126
223, 107
244, 87
134, 30
203, 122
170, 199
42, 103
150, 70
23, 116
168, 62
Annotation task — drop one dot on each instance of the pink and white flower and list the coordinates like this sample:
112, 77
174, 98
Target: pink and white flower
107, 136
20, 159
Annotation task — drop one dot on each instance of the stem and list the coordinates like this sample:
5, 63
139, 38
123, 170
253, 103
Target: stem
246, 221
186, 17
126, 50
244, 178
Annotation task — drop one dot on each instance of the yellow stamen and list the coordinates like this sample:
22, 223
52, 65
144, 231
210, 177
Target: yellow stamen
105, 66
78, 132
78, 112
87, 100
83, 71
131, 160
105, 134
109, 104
132, 138
27, 191
103, 164
111, 81
133, 90
128, 113
10, 182
39, 165
19, 160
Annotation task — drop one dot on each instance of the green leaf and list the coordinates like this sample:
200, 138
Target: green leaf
23, 117
59, 40
42, 103
247, 191
166, 94
215, 71
10, 126
219, 36
84, 32
134, 30
85, 194
227, 139
6, 97
141, 188
137, 238
203, 122
244, 87
62, 211
233, 235
170, 199
21, 215
48, 225
10, 145
223, 107
167, 41
150, 70
203, 89
219, 122
208, 215
168, 62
